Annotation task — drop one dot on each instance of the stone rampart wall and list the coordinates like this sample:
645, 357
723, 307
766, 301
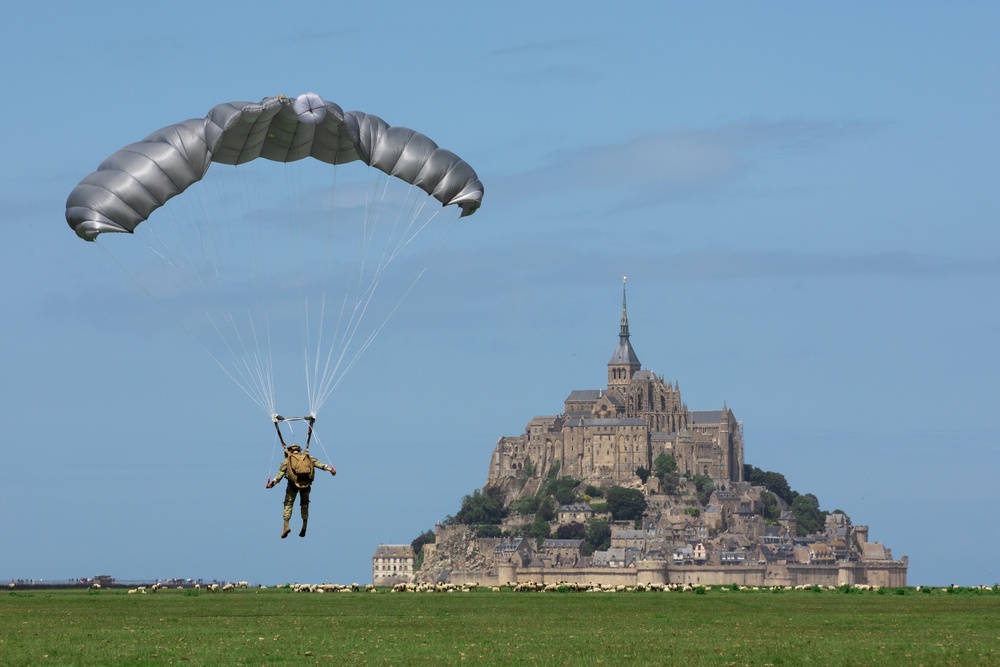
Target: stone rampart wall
890, 574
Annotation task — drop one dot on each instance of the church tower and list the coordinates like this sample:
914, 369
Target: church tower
624, 364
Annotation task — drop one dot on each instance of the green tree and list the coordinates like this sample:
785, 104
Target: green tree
665, 470
774, 482
539, 528
642, 473
753, 474
426, 537
488, 530
778, 485
563, 489
809, 517
546, 510
480, 508
598, 537
571, 531
593, 491
625, 504
525, 505
663, 464
704, 486
770, 509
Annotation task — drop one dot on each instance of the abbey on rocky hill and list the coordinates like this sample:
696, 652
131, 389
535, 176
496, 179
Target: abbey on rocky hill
732, 531
605, 435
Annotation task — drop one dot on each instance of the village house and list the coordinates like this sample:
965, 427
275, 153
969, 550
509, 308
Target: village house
627, 537
516, 550
392, 564
562, 553
574, 513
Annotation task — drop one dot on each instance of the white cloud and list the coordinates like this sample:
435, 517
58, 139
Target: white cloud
668, 164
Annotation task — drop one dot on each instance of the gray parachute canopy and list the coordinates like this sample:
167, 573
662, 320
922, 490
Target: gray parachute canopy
136, 180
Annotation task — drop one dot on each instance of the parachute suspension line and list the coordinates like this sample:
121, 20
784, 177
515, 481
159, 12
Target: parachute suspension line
258, 379
342, 337
313, 377
331, 377
403, 233
243, 385
194, 246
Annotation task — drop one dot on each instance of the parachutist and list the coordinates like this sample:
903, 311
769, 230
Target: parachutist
300, 468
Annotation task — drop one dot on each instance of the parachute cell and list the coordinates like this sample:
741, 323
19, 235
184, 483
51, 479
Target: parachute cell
135, 181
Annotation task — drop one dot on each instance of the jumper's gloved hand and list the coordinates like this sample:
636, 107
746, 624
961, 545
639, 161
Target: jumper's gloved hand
332, 470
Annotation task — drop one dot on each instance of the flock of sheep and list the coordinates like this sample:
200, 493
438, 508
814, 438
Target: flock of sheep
519, 587
211, 588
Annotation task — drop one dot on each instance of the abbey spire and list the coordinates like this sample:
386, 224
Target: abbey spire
624, 363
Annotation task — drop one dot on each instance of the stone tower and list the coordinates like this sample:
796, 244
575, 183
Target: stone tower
624, 363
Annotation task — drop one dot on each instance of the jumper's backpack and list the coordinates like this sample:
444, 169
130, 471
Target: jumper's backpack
300, 468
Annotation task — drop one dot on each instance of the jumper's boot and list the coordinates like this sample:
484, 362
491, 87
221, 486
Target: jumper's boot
304, 509
285, 530
305, 522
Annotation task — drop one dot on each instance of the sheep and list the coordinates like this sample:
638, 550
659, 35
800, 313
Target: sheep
243, 584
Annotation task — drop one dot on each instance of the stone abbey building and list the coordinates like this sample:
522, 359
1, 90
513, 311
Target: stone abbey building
604, 435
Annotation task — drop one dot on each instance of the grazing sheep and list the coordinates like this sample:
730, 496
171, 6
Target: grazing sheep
133, 591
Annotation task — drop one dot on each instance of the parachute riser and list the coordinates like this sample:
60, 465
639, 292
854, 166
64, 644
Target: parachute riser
277, 419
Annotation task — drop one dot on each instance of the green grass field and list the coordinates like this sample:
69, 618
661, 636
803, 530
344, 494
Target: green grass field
277, 626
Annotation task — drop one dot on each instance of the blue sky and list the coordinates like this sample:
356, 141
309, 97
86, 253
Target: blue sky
803, 198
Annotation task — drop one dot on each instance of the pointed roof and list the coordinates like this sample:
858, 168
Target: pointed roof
624, 354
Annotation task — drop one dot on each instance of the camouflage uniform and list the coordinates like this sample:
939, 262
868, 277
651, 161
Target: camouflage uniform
297, 487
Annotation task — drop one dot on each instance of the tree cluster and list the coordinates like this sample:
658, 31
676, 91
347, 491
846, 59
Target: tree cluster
484, 511
809, 517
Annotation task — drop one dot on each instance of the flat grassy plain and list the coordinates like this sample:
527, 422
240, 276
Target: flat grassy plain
715, 627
